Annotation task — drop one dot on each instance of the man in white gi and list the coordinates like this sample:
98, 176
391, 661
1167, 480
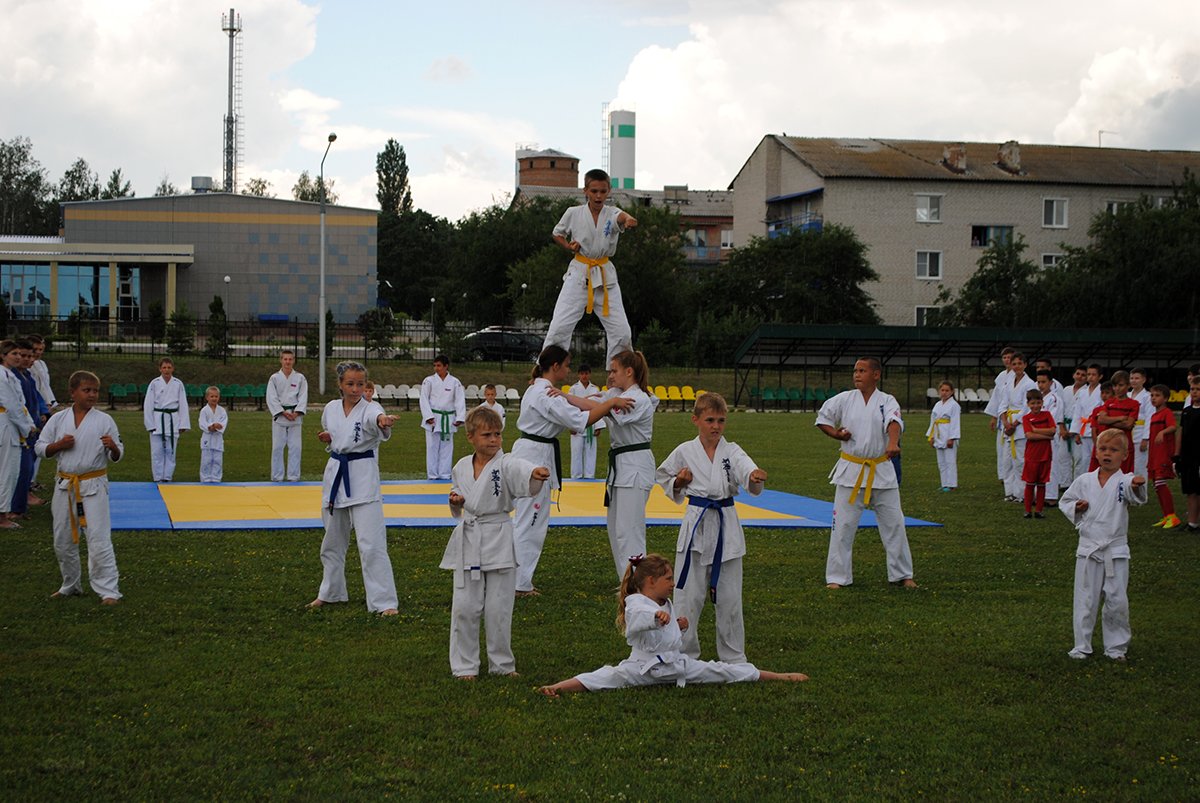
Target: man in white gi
995, 407
287, 401
1012, 456
867, 422
166, 417
443, 411
1083, 428
590, 232
480, 550
584, 444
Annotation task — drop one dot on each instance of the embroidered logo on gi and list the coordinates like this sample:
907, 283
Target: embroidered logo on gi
357, 431
1121, 492
608, 229
495, 482
728, 470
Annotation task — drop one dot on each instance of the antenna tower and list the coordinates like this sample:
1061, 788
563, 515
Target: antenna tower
232, 26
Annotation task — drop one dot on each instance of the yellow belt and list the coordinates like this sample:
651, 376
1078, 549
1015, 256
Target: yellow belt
78, 519
868, 467
1012, 439
934, 427
591, 291
1141, 422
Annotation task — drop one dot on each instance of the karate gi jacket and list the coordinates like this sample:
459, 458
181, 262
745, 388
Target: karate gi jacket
354, 433
627, 427
88, 454
442, 394
163, 396
868, 422
207, 417
945, 423
546, 416
720, 478
597, 240
12, 398
284, 392
1104, 526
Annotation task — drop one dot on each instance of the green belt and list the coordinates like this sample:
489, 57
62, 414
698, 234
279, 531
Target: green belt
612, 464
557, 452
589, 434
162, 424
444, 423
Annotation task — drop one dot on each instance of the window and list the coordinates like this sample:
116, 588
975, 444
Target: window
696, 238
83, 288
921, 314
25, 290
929, 209
1054, 213
1051, 260
727, 238
982, 236
1113, 207
929, 264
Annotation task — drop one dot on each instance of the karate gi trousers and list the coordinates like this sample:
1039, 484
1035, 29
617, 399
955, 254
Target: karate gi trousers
839, 567
947, 462
489, 597
689, 603
531, 520
371, 533
681, 671
1090, 580
212, 465
162, 457
627, 525
285, 435
439, 455
569, 309
1013, 484
583, 457
102, 560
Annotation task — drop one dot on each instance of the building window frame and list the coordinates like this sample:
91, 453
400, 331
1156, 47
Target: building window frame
1052, 260
929, 207
983, 235
1114, 205
921, 313
929, 265
1055, 213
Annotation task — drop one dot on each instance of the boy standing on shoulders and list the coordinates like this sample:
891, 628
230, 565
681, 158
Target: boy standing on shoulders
867, 422
443, 411
1098, 505
590, 232
287, 401
84, 440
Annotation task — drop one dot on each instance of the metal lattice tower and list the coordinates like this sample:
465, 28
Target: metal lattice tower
232, 26
604, 136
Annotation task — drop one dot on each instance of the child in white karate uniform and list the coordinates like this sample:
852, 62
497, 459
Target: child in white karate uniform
1098, 505
480, 550
867, 422
443, 410
15, 426
353, 428
166, 416
287, 402
590, 232
84, 440
213, 421
654, 634
545, 413
584, 443
630, 461
706, 473
489, 403
945, 429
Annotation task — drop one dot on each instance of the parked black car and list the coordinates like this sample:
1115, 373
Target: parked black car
502, 343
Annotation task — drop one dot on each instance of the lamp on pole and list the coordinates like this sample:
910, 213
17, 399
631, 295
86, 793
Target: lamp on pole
226, 346
433, 326
321, 301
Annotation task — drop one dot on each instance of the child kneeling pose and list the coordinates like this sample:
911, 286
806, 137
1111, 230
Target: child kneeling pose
655, 636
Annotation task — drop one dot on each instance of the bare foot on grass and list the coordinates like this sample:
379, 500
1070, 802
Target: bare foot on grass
791, 677
58, 595
109, 601
317, 603
469, 678
533, 592
833, 585
907, 582
571, 685
389, 612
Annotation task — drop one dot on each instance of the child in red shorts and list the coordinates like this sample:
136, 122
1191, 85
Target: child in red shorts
1160, 465
1039, 429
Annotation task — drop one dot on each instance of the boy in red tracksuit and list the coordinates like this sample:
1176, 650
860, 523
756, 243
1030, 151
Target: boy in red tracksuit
1120, 412
1160, 465
1039, 426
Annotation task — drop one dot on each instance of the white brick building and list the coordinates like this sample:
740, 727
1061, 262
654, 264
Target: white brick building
926, 210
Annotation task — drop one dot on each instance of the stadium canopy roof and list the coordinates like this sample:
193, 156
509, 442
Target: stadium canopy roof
780, 348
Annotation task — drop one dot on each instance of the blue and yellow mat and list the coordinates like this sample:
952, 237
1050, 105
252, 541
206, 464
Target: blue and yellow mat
277, 506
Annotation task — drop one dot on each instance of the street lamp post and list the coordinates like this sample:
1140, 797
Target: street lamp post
321, 301
433, 325
226, 345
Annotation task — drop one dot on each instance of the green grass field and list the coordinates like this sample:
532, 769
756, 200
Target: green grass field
210, 680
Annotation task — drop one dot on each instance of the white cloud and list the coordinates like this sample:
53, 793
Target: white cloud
448, 70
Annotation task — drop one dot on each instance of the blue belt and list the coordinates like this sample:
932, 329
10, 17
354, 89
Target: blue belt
343, 473
715, 575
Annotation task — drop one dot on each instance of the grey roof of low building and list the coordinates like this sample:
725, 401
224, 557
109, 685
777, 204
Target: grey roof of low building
699, 203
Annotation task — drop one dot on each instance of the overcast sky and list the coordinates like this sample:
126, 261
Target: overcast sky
141, 84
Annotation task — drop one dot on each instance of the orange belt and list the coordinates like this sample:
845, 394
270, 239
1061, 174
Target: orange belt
591, 291
78, 519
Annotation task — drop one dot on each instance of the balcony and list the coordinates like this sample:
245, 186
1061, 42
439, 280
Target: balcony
807, 221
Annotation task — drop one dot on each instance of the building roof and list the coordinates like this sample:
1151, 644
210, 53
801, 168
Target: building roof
698, 203
527, 153
831, 157
201, 199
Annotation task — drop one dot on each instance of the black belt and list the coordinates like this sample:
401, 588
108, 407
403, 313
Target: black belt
557, 452
612, 464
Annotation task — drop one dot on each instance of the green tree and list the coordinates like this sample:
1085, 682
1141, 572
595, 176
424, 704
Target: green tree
156, 321
391, 171
165, 187
259, 187
79, 183
378, 328
413, 252
814, 277
999, 293
181, 332
24, 191
217, 345
117, 187
307, 188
